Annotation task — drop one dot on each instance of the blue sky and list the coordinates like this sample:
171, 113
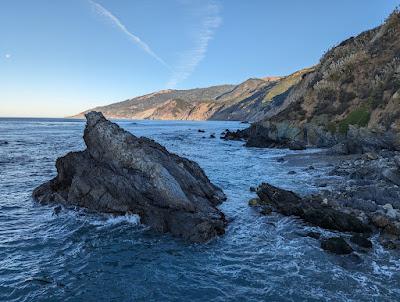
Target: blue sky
58, 58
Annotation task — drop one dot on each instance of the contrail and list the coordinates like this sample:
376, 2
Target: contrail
193, 57
106, 13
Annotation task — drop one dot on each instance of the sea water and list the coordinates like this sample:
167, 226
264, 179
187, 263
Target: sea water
76, 255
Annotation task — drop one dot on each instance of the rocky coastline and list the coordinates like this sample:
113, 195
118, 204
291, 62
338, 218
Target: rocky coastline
284, 135
358, 197
359, 194
348, 106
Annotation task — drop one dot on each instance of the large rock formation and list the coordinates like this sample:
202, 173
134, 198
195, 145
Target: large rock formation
312, 210
121, 173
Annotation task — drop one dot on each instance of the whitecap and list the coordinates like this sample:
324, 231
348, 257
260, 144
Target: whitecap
110, 220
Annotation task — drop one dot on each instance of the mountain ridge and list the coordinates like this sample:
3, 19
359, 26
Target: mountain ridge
212, 102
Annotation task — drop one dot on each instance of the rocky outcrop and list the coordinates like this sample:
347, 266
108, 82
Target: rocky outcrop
312, 210
364, 140
121, 173
364, 186
288, 135
361, 241
271, 136
369, 185
336, 245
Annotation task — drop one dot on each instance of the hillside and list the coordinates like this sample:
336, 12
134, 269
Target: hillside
254, 105
352, 96
150, 106
246, 101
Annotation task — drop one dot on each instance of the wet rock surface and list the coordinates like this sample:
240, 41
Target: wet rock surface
314, 235
363, 186
361, 241
367, 186
121, 173
282, 135
336, 245
312, 210
285, 135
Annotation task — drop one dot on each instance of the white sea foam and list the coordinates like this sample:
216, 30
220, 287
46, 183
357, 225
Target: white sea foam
113, 220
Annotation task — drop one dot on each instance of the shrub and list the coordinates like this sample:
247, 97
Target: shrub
346, 96
359, 117
326, 93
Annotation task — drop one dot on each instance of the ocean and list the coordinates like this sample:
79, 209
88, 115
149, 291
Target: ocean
77, 255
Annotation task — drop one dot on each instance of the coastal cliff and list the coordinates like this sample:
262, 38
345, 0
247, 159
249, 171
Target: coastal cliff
351, 98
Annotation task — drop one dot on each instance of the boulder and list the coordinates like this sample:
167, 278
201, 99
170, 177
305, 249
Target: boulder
380, 221
338, 149
312, 210
121, 173
336, 245
297, 145
371, 156
392, 175
233, 135
361, 241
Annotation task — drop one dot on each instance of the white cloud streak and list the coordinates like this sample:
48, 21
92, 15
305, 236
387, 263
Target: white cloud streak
107, 14
7, 56
193, 57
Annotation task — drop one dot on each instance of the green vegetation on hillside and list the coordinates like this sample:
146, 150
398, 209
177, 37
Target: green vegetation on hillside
355, 83
358, 117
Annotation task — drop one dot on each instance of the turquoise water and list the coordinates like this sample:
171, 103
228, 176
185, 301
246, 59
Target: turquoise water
82, 256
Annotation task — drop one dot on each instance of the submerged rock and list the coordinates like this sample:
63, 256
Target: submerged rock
120, 173
57, 210
336, 245
314, 235
361, 241
232, 135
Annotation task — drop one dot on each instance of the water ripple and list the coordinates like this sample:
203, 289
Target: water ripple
79, 255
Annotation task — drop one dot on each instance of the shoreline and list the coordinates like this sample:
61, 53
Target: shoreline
365, 186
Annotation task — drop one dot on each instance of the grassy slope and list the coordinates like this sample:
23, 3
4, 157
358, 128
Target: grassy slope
355, 83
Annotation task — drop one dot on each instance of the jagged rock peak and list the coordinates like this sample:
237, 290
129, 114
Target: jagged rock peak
121, 173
